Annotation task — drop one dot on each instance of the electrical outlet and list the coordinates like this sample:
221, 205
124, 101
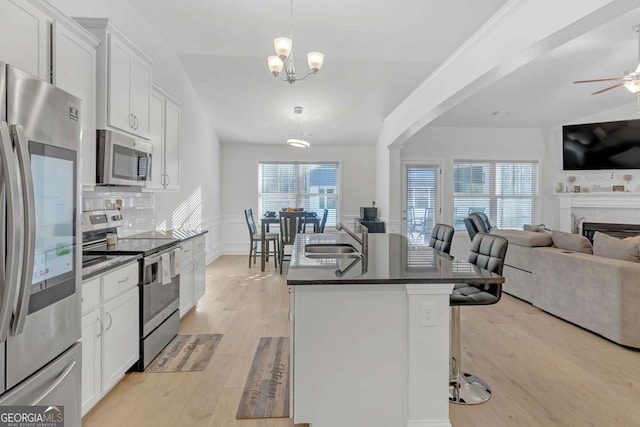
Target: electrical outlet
428, 313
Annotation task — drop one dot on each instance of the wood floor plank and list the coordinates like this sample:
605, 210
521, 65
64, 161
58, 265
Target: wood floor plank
543, 371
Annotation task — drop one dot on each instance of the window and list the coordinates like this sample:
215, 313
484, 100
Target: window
506, 191
312, 186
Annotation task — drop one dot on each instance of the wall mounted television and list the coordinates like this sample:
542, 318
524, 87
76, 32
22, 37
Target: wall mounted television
606, 145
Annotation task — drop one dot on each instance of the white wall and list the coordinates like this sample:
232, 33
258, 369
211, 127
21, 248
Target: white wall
240, 182
445, 144
199, 196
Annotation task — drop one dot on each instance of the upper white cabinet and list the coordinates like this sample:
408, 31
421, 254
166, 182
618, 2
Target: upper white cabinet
25, 37
165, 126
74, 70
124, 80
39, 39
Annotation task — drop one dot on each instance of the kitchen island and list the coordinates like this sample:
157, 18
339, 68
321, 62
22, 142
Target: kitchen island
370, 335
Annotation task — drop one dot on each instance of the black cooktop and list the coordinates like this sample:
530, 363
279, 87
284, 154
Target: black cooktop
131, 246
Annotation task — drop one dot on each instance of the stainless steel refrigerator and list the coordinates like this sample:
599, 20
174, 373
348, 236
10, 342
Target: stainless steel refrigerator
40, 327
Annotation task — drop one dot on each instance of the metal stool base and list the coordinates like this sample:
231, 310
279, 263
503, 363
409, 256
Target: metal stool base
470, 390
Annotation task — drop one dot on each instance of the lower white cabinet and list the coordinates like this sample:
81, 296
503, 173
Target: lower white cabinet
110, 331
192, 273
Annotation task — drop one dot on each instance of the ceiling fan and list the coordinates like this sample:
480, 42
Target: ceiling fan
630, 79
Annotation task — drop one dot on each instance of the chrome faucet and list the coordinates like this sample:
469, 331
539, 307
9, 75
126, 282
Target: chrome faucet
364, 240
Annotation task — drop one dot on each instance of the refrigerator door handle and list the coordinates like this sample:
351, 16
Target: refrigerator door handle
14, 231
22, 148
55, 384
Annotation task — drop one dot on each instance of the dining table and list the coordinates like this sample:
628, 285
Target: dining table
266, 221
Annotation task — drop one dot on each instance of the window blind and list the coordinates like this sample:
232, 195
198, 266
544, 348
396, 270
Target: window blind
312, 186
507, 191
421, 198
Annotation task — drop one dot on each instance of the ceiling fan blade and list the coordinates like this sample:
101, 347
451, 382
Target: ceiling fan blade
608, 88
599, 80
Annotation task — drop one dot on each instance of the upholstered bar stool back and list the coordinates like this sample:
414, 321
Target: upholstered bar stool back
488, 252
441, 237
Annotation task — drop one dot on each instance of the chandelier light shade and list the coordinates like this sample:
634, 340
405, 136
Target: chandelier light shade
283, 59
282, 46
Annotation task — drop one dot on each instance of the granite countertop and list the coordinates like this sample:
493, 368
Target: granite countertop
391, 260
178, 234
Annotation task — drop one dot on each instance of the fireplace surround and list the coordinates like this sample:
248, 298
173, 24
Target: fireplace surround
615, 230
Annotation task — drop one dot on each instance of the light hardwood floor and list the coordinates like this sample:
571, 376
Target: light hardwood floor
543, 371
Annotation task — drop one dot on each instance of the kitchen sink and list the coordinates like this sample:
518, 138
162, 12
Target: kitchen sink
331, 250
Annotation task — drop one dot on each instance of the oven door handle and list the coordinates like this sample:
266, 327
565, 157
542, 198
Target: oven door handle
156, 259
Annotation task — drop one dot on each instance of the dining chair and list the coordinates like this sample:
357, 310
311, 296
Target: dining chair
291, 223
487, 252
323, 222
255, 237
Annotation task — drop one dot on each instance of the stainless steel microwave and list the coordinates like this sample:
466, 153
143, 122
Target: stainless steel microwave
122, 160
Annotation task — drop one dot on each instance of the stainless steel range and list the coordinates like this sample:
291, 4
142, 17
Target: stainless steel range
159, 277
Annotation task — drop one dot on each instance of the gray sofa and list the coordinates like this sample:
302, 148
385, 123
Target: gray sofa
598, 293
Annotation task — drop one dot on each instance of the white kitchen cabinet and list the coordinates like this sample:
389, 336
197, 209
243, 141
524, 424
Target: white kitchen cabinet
110, 331
192, 273
199, 275
121, 340
92, 329
124, 80
91, 344
74, 71
56, 49
165, 122
25, 37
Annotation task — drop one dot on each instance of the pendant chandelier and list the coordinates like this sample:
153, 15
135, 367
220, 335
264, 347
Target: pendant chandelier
284, 58
298, 142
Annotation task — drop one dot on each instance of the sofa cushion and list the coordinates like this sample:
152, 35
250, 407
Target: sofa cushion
524, 238
612, 247
571, 242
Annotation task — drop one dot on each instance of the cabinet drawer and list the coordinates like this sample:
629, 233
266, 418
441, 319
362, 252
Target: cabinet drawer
118, 281
199, 243
90, 294
187, 250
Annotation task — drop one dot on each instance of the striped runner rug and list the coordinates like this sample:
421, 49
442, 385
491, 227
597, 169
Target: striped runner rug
266, 392
186, 353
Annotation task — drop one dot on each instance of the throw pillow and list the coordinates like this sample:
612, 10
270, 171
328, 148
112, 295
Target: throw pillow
571, 242
531, 227
612, 247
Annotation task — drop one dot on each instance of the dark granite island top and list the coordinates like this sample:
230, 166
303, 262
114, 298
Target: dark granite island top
391, 260
379, 340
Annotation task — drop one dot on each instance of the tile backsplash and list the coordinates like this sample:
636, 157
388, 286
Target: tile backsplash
138, 209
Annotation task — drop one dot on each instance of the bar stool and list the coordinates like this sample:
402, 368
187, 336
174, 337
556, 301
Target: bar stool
441, 237
487, 252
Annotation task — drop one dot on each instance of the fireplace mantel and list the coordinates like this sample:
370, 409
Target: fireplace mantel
609, 200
